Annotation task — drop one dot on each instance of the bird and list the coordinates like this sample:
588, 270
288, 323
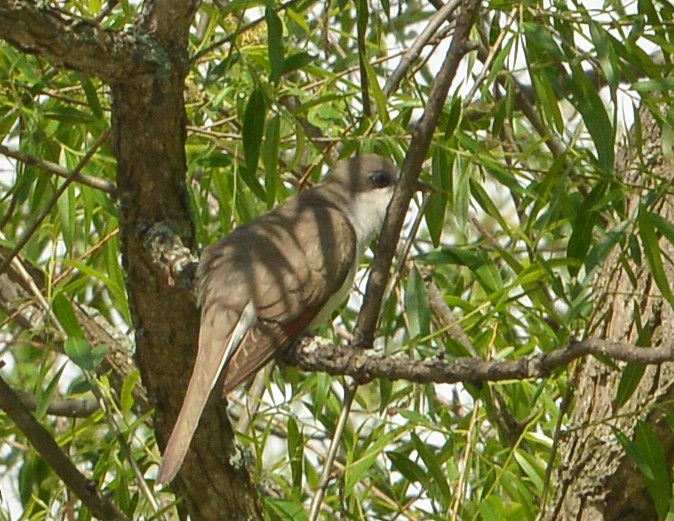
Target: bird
269, 281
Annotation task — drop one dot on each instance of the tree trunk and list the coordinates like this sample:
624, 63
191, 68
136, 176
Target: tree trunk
597, 479
149, 129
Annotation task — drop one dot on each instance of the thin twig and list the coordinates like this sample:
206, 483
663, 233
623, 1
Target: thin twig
54, 168
350, 390
414, 51
52, 202
362, 58
83, 487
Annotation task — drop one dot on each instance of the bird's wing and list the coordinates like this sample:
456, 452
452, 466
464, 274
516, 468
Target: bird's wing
294, 279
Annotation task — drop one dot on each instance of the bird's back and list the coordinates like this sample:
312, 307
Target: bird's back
287, 264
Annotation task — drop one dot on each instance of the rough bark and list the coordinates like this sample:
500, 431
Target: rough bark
79, 44
149, 142
597, 480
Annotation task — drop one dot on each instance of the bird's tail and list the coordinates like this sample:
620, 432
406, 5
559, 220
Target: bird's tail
214, 352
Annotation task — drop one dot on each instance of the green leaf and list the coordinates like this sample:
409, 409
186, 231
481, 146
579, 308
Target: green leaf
460, 201
441, 177
63, 309
286, 510
665, 227
438, 477
411, 470
601, 250
274, 41
583, 226
590, 105
126, 396
377, 93
295, 455
653, 463
270, 158
479, 262
651, 246
91, 95
538, 36
68, 115
46, 396
491, 509
629, 381
66, 210
665, 85
83, 355
253, 129
357, 469
297, 61
416, 305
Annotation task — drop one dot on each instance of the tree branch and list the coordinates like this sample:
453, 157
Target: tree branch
53, 168
78, 44
364, 366
44, 444
419, 145
62, 407
413, 52
37, 220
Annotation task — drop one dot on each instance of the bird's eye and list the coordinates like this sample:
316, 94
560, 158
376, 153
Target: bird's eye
381, 179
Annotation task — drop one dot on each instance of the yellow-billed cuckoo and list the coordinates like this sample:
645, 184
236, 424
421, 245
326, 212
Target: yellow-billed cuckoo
270, 280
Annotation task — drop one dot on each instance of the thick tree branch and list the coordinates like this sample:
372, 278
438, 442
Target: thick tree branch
78, 44
46, 446
364, 366
419, 145
173, 258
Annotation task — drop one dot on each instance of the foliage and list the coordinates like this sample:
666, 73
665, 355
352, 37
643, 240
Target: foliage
528, 207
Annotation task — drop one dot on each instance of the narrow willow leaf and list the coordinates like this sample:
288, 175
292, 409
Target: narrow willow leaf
583, 226
126, 396
63, 309
590, 105
629, 381
411, 470
653, 463
416, 305
377, 94
253, 129
274, 41
295, 455
270, 158
441, 168
438, 477
297, 61
601, 250
287, 510
83, 355
91, 95
651, 247
47, 395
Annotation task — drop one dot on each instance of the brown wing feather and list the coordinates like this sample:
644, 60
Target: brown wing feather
288, 263
297, 269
